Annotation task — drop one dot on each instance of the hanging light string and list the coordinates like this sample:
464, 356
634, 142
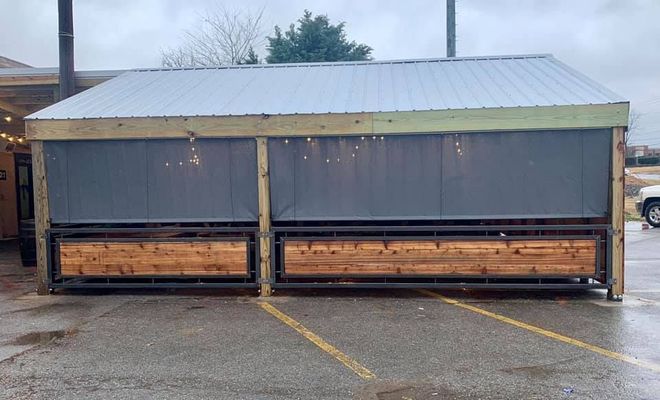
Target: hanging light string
13, 138
354, 148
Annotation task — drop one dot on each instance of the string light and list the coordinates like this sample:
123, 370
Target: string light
286, 141
12, 138
8, 118
305, 157
309, 139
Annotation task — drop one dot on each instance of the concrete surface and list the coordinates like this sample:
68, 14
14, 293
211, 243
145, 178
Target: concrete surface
129, 345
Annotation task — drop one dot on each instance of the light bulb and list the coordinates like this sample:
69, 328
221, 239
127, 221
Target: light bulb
309, 139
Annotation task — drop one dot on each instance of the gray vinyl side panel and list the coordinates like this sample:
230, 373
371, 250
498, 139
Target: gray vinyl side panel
512, 174
596, 158
55, 154
107, 180
244, 186
182, 189
539, 174
393, 177
152, 181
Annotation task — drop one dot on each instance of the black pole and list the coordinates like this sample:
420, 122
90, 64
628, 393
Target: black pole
67, 80
451, 28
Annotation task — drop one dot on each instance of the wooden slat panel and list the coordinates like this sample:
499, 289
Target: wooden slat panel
550, 257
153, 258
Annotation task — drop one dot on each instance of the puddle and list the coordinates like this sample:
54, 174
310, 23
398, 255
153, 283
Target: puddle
36, 338
399, 390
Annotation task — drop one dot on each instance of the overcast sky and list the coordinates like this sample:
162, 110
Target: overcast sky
616, 42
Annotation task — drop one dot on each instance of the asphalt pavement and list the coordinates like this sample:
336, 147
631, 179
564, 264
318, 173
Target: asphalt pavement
334, 344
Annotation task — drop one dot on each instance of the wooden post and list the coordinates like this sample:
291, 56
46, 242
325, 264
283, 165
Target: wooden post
41, 213
264, 214
616, 204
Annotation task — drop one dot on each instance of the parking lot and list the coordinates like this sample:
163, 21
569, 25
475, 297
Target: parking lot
366, 344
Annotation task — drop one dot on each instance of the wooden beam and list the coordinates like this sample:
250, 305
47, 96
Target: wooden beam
41, 214
264, 215
447, 121
617, 215
28, 80
14, 109
499, 119
49, 79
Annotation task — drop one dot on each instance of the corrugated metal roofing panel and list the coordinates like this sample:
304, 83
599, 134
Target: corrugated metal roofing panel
344, 87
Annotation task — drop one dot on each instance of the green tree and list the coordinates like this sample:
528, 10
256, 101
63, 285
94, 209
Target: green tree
251, 57
314, 40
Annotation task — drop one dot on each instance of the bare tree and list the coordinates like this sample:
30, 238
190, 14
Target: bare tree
633, 124
222, 37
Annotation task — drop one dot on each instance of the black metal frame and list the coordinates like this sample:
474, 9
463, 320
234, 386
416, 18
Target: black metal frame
280, 279
55, 236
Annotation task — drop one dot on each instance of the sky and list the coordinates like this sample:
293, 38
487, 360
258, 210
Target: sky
615, 42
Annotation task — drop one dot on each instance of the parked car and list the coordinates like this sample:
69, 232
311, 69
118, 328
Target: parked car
648, 204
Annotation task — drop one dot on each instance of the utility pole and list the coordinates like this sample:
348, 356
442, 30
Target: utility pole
451, 28
65, 24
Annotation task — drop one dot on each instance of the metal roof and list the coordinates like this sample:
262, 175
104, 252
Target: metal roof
342, 87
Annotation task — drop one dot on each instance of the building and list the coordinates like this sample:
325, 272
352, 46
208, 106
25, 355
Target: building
24, 90
465, 172
642, 150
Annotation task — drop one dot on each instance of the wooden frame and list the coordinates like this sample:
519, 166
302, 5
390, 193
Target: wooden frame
391, 123
384, 123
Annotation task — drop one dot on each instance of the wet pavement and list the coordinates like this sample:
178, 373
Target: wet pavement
153, 344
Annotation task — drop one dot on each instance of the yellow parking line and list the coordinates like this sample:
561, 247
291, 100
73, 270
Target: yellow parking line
552, 335
353, 365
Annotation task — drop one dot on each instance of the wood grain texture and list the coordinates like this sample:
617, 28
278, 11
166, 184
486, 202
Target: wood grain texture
153, 258
41, 214
617, 207
543, 257
263, 186
440, 121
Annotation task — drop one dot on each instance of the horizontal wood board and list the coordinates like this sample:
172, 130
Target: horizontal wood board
152, 258
380, 123
547, 257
